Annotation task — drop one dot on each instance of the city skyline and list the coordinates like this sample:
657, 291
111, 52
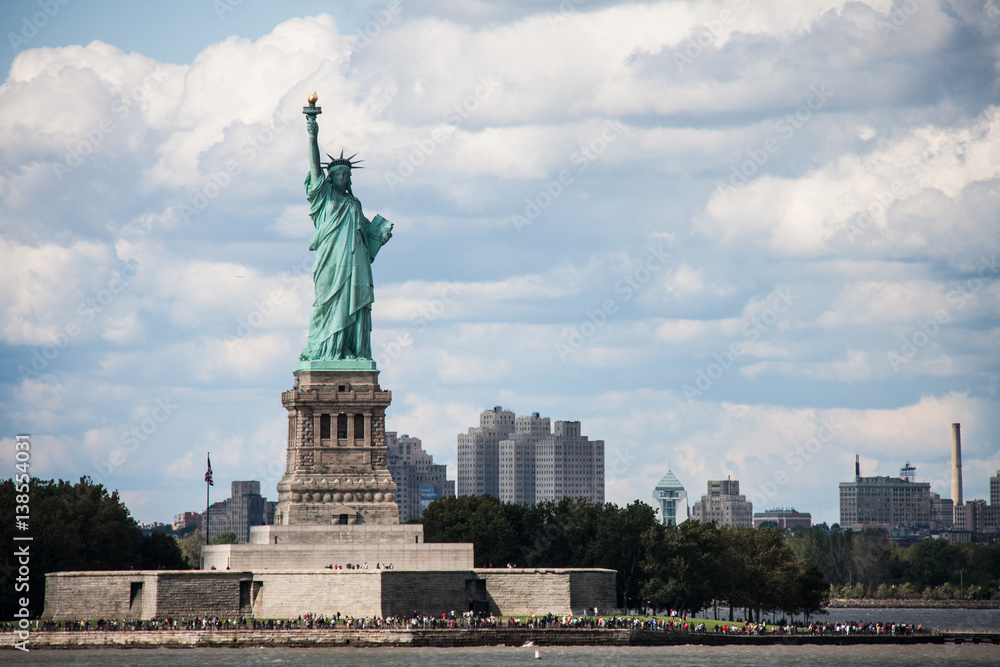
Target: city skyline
732, 239
397, 441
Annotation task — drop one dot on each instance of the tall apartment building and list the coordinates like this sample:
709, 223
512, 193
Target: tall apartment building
724, 505
569, 464
995, 489
529, 460
885, 502
419, 481
478, 453
244, 508
669, 493
518, 459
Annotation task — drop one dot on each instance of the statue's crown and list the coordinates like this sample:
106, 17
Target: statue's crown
343, 161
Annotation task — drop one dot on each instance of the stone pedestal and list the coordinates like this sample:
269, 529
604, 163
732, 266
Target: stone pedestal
336, 470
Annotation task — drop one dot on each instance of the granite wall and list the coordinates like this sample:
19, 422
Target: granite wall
288, 594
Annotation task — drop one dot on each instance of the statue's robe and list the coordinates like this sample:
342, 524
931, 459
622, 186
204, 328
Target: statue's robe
346, 243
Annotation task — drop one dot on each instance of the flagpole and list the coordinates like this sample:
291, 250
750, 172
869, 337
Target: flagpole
208, 505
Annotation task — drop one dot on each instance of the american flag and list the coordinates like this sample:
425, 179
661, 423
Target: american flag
208, 475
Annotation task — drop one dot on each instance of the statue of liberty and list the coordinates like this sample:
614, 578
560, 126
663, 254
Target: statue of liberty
346, 243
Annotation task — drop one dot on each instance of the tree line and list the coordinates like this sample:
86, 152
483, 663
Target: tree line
869, 564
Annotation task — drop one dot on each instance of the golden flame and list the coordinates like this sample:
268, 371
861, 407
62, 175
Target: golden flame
312, 98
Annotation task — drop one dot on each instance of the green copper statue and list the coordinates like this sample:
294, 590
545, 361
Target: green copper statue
346, 243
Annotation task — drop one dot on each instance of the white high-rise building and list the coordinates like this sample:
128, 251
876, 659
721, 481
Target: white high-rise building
478, 453
530, 461
569, 465
673, 500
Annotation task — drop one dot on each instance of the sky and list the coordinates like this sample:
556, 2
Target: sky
731, 238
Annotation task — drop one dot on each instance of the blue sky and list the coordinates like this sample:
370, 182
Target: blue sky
733, 238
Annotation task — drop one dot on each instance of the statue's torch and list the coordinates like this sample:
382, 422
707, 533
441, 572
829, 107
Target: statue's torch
312, 109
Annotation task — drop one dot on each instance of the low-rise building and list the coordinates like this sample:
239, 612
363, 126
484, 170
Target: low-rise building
186, 520
786, 518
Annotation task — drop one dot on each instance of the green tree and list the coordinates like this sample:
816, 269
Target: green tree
620, 547
875, 558
932, 562
558, 534
811, 591
190, 546
681, 565
76, 527
765, 563
161, 551
482, 520
227, 537
836, 565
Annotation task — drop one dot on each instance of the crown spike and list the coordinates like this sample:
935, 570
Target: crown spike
341, 161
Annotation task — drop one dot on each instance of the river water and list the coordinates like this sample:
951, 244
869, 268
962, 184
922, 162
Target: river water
583, 656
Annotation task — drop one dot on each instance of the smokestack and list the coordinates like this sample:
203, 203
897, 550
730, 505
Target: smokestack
857, 467
956, 464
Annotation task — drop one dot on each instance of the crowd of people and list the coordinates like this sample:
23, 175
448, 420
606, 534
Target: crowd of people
469, 620
864, 628
357, 566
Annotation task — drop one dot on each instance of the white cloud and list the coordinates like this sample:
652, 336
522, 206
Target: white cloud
857, 366
53, 293
878, 201
182, 467
293, 223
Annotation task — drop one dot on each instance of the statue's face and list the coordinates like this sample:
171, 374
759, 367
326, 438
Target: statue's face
340, 178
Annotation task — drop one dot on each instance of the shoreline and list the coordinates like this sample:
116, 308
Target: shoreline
448, 638
874, 603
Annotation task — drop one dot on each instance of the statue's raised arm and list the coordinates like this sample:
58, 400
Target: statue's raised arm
346, 243
312, 128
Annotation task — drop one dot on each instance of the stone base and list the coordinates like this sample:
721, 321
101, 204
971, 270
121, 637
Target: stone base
336, 469
148, 594
412, 533
317, 547
400, 556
